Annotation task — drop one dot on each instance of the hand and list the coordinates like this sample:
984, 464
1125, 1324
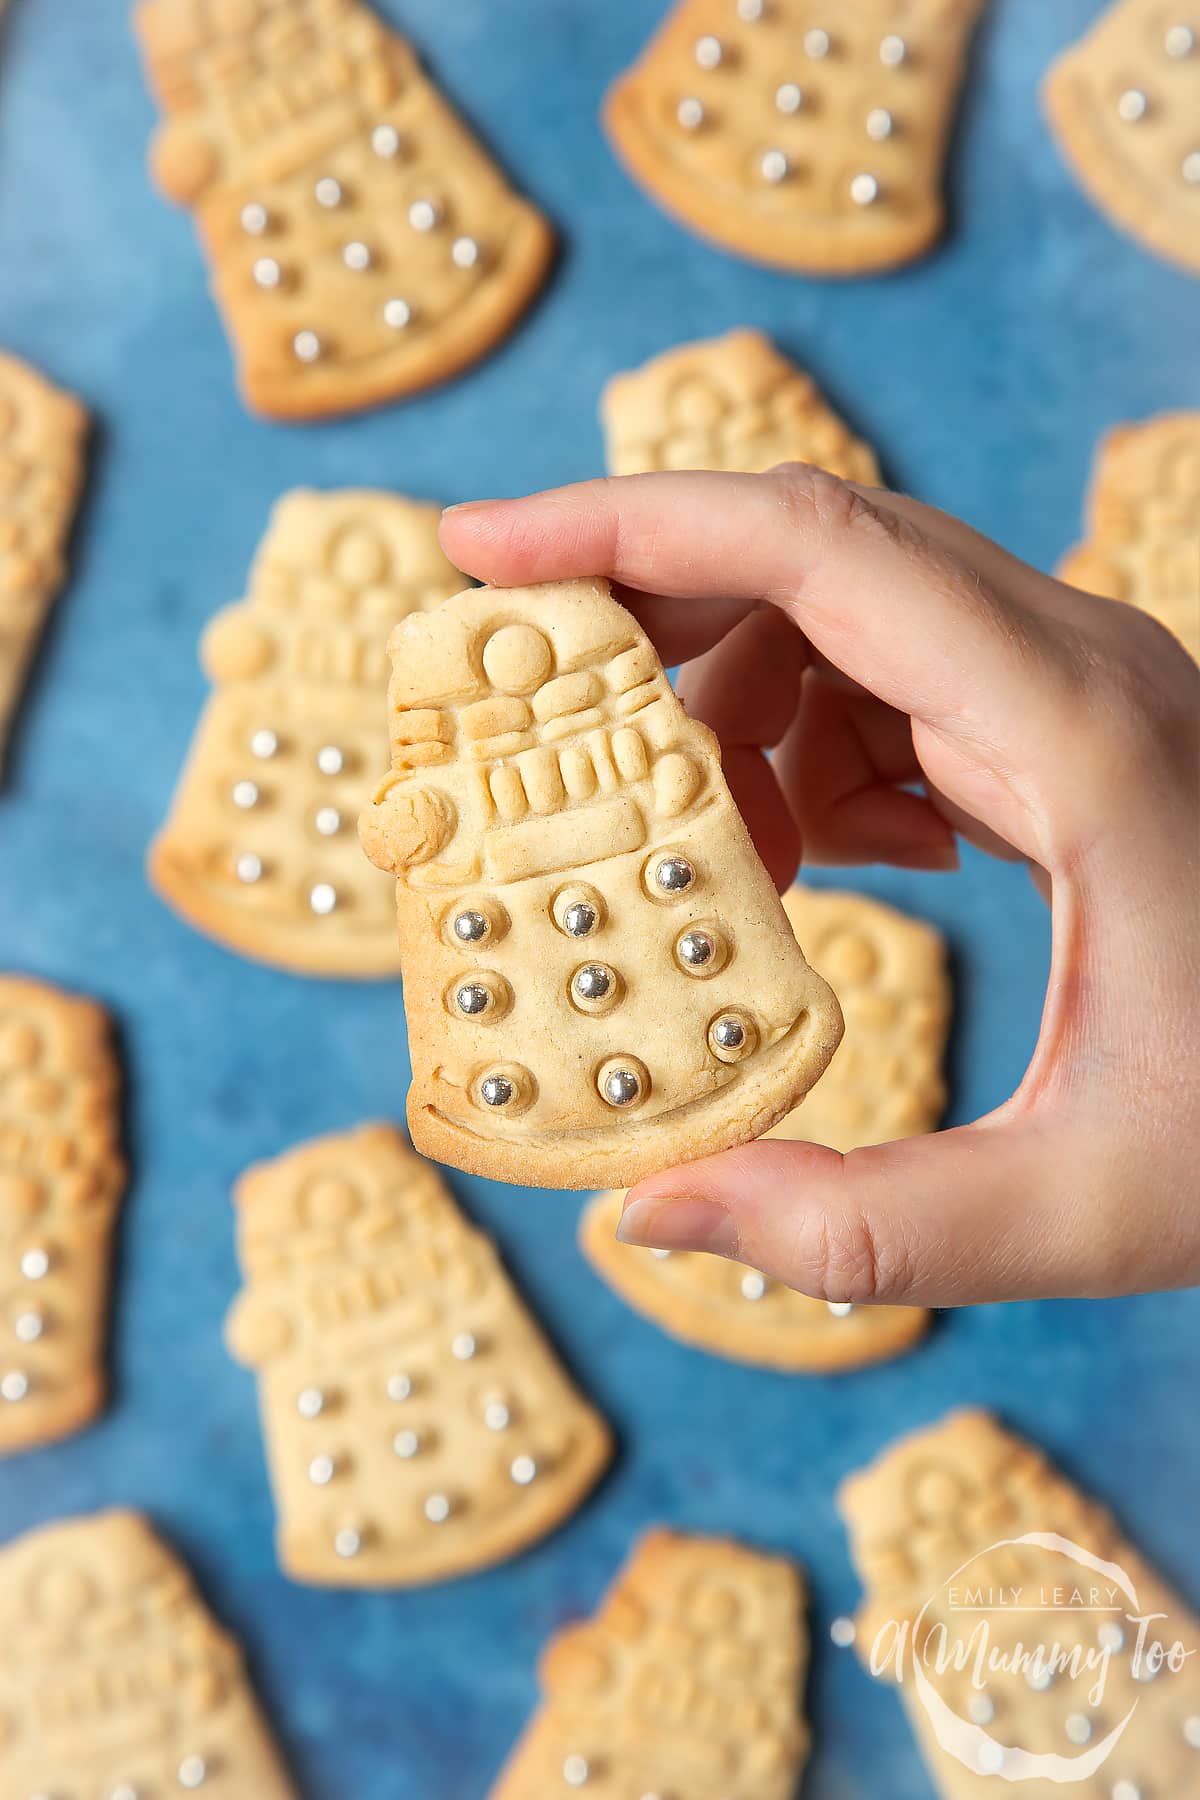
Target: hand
874, 644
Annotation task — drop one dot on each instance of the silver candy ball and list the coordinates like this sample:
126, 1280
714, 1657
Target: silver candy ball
399, 1387
307, 346
347, 1542
328, 191
580, 919
817, 44
406, 1444
594, 982
892, 50
523, 1470
310, 1402
463, 1346
396, 313
14, 1385
789, 98
497, 1090
472, 999
674, 875
471, 927
621, 1087
774, 166
248, 868
438, 1508
709, 52
696, 949
1132, 106
385, 140
35, 1264
331, 759
729, 1033
690, 113
323, 899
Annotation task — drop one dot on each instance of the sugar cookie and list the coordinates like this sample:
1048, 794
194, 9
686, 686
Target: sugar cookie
417, 1424
885, 1081
362, 243
687, 1681
964, 1534
260, 849
731, 402
599, 976
42, 433
1124, 103
116, 1680
804, 136
61, 1179
1143, 522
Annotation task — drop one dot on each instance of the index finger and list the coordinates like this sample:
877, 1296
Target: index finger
874, 594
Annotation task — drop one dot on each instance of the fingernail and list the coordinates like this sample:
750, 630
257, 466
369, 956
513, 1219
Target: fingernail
461, 506
666, 1224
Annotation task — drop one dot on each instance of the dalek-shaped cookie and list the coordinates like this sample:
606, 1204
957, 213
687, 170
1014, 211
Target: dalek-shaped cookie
687, 1681
61, 1178
599, 975
42, 433
799, 133
1143, 543
260, 848
115, 1681
417, 1423
362, 243
733, 402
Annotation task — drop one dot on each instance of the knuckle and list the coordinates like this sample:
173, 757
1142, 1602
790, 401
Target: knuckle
857, 1263
814, 496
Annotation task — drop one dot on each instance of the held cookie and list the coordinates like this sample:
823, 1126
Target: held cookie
115, 1680
732, 402
686, 1682
260, 849
362, 244
1124, 103
42, 432
964, 1534
599, 977
885, 1081
1143, 523
61, 1179
417, 1424
803, 135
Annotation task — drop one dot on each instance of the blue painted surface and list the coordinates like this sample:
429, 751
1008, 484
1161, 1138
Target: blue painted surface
985, 376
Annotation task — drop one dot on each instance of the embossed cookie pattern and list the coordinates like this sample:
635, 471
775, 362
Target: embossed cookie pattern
260, 849
362, 244
1143, 523
732, 402
61, 1179
800, 134
687, 1681
599, 976
1124, 103
115, 1681
417, 1424
42, 432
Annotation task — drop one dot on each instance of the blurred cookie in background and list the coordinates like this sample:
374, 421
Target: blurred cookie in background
1143, 523
116, 1679
687, 1680
418, 1425
1124, 104
362, 243
731, 402
42, 433
805, 137
62, 1175
260, 849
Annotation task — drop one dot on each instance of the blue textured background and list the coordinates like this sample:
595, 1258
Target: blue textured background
984, 375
